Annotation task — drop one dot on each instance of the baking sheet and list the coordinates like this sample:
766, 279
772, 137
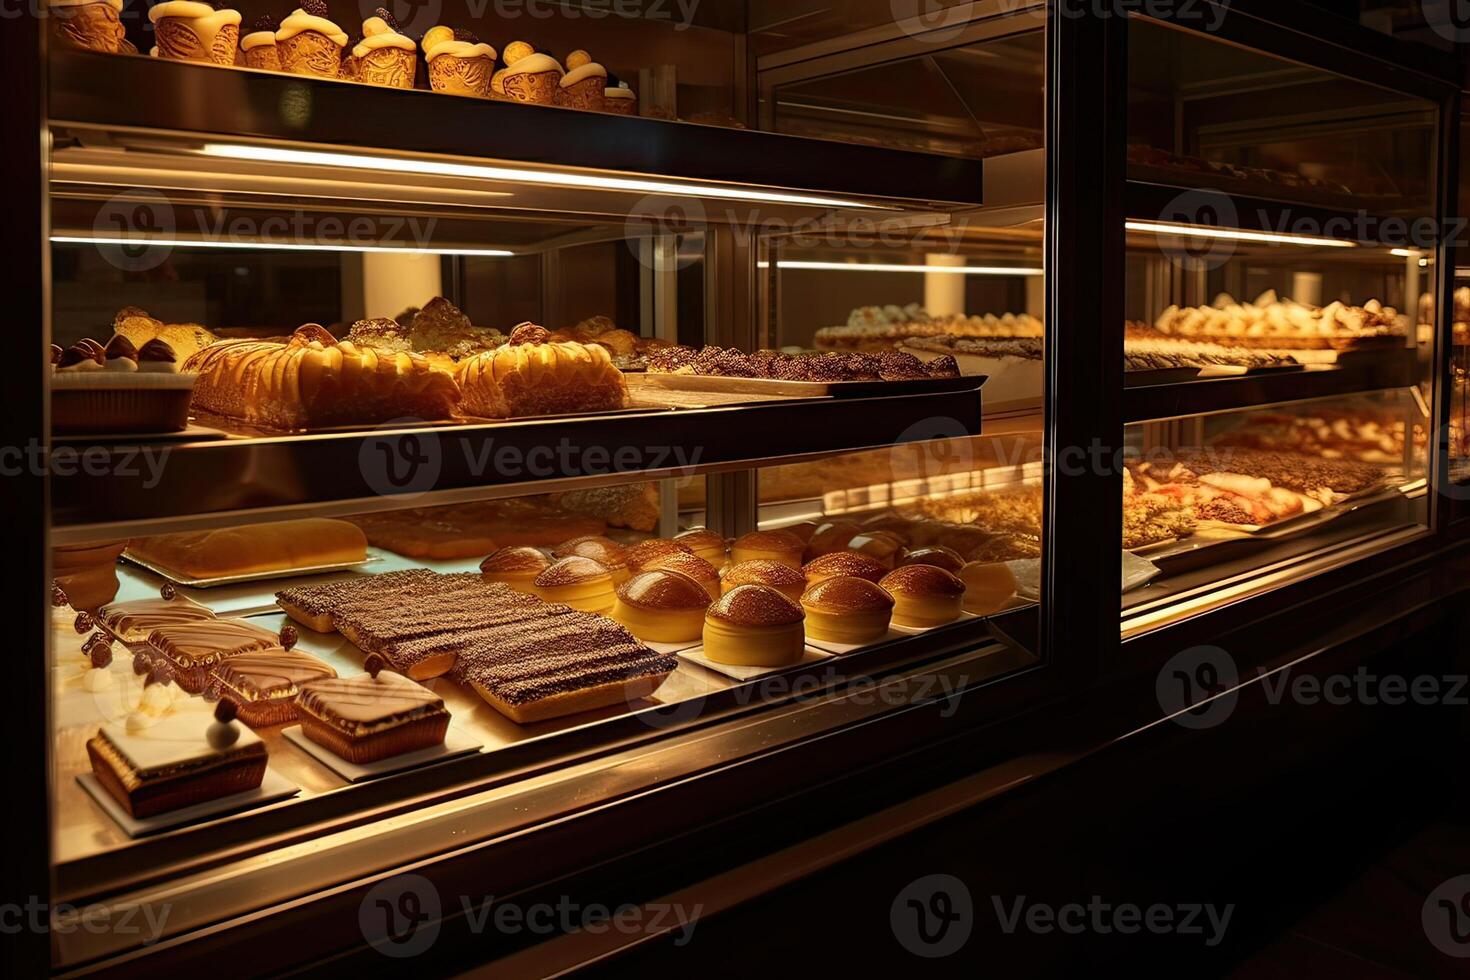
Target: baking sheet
696, 656
272, 789
455, 744
214, 583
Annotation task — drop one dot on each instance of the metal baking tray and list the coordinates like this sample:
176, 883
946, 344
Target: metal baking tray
279, 573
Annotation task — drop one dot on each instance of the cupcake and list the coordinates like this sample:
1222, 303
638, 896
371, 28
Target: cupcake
187, 30
309, 42
459, 63
584, 85
384, 56
119, 389
528, 76
258, 48
619, 99
88, 25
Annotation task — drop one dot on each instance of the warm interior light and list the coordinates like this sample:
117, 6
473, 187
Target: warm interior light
274, 246
272, 154
1236, 235
943, 270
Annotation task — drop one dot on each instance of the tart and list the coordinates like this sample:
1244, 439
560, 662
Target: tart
119, 388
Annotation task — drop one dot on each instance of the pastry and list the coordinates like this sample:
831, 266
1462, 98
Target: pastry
581, 583
372, 716
788, 581
662, 606
280, 546
310, 43
86, 575
191, 650
989, 588
119, 388
264, 684
830, 538
778, 546
707, 544
531, 376
824, 368
635, 506
584, 86
384, 56
474, 530
88, 25
924, 596
132, 622
879, 329
619, 99
847, 610
940, 557
459, 63
605, 551
316, 606
838, 564
439, 330
187, 758
538, 671
643, 556
189, 30
258, 48
528, 76
1282, 324
516, 567
755, 626
314, 381
692, 566
184, 339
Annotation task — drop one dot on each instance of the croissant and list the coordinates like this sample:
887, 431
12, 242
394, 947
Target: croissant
534, 376
312, 381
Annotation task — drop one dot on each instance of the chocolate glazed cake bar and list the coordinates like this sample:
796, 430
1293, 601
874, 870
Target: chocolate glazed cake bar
265, 684
373, 716
191, 650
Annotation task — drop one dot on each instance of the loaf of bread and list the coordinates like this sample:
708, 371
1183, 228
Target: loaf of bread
280, 546
534, 376
312, 381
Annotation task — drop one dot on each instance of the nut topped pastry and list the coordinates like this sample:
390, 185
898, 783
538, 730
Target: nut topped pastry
924, 596
847, 610
786, 580
516, 567
843, 563
264, 684
755, 626
662, 606
578, 582
605, 551
777, 546
373, 716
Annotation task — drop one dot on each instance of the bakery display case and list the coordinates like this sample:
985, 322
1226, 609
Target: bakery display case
479, 424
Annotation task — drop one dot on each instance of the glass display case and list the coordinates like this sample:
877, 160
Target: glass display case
603, 452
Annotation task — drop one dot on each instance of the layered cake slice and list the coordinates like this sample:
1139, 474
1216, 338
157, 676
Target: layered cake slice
316, 606
265, 684
191, 650
185, 758
373, 716
131, 622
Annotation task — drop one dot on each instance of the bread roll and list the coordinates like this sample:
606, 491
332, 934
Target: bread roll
255, 548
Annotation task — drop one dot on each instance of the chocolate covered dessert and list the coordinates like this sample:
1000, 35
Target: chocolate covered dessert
373, 716
265, 684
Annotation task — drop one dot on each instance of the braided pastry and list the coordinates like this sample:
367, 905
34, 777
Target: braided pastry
534, 376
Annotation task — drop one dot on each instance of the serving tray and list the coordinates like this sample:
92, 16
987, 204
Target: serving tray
209, 583
804, 389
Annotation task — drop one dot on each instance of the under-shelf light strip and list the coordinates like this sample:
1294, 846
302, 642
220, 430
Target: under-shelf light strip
1237, 235
272, 246
944, 270
273, 154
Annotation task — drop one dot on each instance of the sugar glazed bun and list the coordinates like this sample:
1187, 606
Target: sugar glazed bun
755, 626
662, 606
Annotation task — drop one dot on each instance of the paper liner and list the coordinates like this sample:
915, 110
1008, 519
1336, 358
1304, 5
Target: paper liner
264, 57
88, 27
310, 53
393, 67
538, 88
177, 40
588, 94
620, 107
119, 410
461, 76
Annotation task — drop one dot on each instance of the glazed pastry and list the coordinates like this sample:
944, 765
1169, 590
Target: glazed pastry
705, 543
265, 684
459, 62
692, 566
581, 583
187, 758
188, 30
989, 588
619, 99
317, 606
88, 25
644, 555
373, 716
662, 607
191, 650
277, 546
258, 48
584, 85
605, 551
516, 567
838, 564
777, 546
384, 56
314, 381
132, 622
531, 376
786, 580
940, 557
924, 596
310, 43
635, 506
528, 76
847, 610
755, 626
184, 339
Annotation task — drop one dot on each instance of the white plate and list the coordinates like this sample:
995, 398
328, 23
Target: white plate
455, 745
696, 656
271, 789
671, 649
839, 649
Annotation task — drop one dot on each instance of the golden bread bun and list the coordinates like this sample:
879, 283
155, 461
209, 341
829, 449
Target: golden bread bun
783, 578
663, 589
846, 594
604, 551
515, 566
989, 587
642, 555
707, 544
755, 607
693, 566
781, 546
840, 563
940, 557
923, 581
